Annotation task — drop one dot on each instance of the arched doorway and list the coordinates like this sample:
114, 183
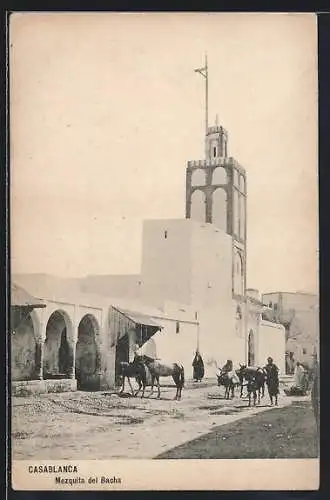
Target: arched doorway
87, 364
23, 347
251, 349
58, 355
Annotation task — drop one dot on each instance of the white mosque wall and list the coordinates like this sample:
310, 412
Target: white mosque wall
174, 345
271, 343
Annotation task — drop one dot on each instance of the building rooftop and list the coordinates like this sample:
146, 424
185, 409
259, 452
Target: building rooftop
298, 292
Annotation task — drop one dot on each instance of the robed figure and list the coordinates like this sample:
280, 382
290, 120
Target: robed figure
272, 380
198, 367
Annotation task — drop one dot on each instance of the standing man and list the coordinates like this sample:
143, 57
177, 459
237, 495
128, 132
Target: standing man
272, 380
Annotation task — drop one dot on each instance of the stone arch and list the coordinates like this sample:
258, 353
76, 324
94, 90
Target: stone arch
198, 208
58, 349
219, 209
219, 176
251, 349
23, 347
87, 361
198, 177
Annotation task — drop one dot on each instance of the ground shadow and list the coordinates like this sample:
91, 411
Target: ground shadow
287, 432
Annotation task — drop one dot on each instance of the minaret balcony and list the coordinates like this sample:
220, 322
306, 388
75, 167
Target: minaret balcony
221, 161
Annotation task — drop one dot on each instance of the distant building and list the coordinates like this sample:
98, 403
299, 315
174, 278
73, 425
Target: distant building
298, 312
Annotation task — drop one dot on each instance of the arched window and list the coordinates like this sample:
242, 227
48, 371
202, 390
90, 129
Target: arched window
238, 274
219, 176
198, 177
219, 209
198, 209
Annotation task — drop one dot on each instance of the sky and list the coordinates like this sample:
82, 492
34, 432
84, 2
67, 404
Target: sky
106, 110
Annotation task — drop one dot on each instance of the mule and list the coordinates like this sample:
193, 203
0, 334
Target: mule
228, 382
159, 369
256, 378
241, 380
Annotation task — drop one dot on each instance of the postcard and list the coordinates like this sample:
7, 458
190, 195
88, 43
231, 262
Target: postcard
164, 328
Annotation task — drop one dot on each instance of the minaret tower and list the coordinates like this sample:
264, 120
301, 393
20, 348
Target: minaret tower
216, 194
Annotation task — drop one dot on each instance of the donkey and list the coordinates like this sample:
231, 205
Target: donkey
256, 378
229, 382
160, 369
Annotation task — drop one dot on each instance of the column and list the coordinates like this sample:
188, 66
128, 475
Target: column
72, 359
40, 348
188, 193
39, 357
72, 338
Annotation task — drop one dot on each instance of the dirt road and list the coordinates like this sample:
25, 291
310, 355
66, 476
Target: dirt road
102, 425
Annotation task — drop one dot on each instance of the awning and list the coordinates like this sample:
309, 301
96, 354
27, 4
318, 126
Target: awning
139, 319
22, 304
21, 298
122, 321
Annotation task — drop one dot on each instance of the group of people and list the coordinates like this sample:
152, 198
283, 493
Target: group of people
271, 371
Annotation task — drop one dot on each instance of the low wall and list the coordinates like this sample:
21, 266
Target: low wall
29, 387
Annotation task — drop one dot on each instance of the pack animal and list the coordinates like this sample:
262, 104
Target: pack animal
255, 382
229, 381
159, 369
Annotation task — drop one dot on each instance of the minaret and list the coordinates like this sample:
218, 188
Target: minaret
216, 194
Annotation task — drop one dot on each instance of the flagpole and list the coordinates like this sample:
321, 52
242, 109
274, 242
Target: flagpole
206, 96
205, 74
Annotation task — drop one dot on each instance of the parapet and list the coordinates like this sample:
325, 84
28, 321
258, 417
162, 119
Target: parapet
222, 161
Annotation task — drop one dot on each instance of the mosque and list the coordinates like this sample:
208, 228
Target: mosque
191, 294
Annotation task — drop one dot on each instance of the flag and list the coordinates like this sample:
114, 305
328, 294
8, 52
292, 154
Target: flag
202, 71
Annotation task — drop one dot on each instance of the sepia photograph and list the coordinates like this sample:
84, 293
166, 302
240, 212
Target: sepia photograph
164, 250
